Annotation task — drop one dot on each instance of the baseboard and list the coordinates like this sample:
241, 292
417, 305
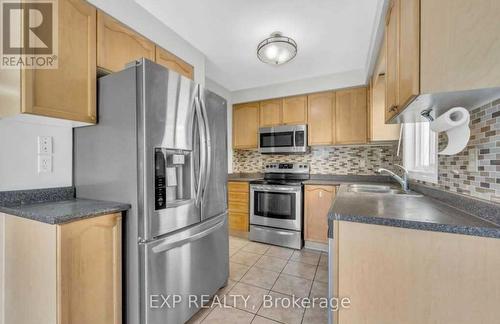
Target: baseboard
316, 246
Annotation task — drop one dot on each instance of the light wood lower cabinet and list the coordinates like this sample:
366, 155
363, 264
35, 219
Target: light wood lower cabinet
246, 125
172, 62
69, 91
64, 274
397, 275
318, 200
238, 205
118, 45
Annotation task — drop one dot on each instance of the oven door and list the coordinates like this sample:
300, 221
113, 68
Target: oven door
276, 206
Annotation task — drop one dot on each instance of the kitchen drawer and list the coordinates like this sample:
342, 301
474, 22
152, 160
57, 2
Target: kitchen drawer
238, 186
238, 221
236, 206
239, 196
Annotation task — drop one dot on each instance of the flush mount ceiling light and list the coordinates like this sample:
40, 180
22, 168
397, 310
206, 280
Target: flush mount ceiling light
277, 49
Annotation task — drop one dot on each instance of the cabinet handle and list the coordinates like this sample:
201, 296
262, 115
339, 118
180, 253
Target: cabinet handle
393, 108
321, 194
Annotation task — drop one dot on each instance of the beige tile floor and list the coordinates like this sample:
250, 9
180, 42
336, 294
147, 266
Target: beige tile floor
259, 269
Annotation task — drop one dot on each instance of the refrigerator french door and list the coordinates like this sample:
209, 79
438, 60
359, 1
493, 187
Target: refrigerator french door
160, 144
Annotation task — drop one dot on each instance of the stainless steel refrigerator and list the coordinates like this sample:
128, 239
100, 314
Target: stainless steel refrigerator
160, 145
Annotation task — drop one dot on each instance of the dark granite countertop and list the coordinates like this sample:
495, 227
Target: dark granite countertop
418, 212
55, 205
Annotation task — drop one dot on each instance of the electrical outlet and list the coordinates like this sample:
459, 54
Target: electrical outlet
44, 164
44, 144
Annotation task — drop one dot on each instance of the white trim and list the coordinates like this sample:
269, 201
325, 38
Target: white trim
420, 152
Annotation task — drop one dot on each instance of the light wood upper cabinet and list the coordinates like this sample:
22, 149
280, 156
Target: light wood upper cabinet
295, 110
392, 49
321, 118
460, 46
435, 47
378, 129
318, 200
118, 45
245, 125
399, 275
271, 112
68, 273
172, 62
68, 92
403, 56
409, 54
351, 116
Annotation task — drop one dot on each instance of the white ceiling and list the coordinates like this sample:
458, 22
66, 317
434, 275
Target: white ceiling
333, 36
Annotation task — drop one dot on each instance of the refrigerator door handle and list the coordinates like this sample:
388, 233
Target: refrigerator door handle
208, 145
203, 152
170, 245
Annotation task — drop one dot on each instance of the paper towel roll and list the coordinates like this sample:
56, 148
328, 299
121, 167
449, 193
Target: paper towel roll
455, 122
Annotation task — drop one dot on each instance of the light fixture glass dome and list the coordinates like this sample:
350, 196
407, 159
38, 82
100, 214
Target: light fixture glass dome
277, 49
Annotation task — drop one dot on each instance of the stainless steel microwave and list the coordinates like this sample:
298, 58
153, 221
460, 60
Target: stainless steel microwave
283, 139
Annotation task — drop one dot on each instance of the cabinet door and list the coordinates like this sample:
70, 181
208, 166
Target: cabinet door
245, 125
391, 73
409, 51
68, 92
295, 110
379, 130
172, 62
351, 116
321, 118
89, 271
118, 45
27, 271
270, 112
397, 275
318, 200
238, 206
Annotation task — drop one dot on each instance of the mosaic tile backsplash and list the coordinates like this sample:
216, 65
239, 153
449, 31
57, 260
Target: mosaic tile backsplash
454, 173
363, 160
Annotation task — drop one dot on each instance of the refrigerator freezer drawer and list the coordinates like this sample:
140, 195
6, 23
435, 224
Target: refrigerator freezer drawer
193, 262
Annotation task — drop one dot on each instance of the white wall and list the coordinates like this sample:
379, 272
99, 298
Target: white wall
19, 157
139, 19
18, 140
223, 92
321, 83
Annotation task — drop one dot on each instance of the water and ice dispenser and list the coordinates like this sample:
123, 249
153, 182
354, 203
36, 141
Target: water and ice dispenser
172, 177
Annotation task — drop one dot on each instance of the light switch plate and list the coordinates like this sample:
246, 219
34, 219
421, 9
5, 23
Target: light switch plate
44, 164
44, 144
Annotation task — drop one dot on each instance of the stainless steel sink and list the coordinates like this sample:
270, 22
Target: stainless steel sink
380, 189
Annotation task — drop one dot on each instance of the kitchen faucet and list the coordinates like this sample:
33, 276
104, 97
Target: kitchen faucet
403, 181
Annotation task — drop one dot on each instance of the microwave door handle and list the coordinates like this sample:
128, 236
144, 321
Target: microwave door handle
208, 146
201, 132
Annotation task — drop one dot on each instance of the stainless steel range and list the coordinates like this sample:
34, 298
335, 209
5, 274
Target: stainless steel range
276, 205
